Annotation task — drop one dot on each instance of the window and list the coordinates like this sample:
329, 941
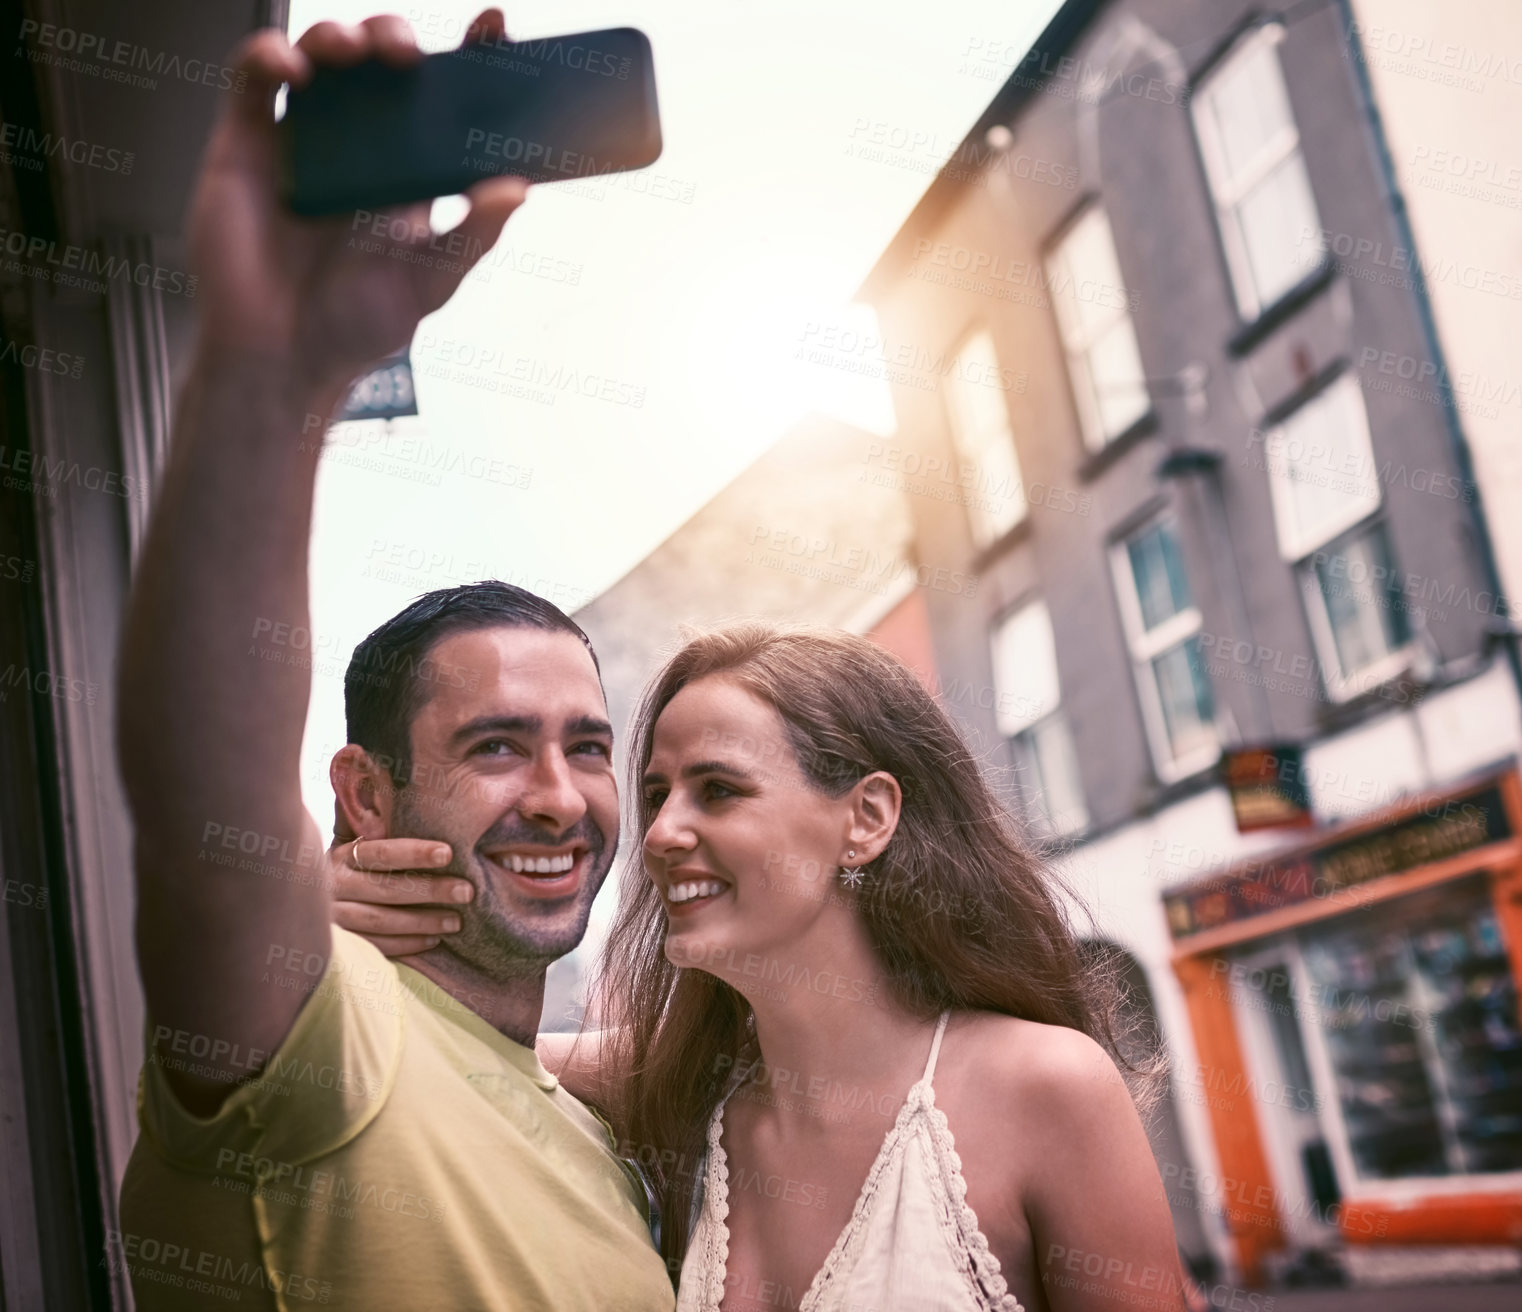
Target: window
1257, 176
1029, 713
985, 445
1325, 487
1094, 321
1162, 627
1321, 468
1413, 1016
1357, 611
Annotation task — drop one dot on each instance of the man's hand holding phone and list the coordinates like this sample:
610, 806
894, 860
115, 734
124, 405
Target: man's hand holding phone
301, 292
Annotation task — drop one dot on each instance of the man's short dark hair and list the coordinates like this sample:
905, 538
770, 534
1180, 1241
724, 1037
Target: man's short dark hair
389, 674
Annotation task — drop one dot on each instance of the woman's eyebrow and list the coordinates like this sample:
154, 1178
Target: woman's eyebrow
712, 767
695, 770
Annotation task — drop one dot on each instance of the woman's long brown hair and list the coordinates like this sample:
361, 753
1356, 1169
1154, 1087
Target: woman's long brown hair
960, 908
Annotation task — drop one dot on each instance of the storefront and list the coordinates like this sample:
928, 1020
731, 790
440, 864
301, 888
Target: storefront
1354, 1006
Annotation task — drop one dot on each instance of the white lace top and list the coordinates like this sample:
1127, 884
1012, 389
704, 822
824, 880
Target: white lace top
912, 1243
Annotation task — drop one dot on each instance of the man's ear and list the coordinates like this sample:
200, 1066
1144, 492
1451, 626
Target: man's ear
363, 794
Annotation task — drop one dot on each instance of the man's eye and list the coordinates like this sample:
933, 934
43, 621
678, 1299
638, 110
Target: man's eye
492, 747
594, 748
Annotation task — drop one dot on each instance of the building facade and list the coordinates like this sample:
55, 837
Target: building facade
1447, 81
1151, 322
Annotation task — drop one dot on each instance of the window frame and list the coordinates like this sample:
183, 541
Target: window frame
951, 411
1077, 354
1227, 193
1028, 758
1294, 546
1144, 645
1301, 552
1339, 686
1022, 741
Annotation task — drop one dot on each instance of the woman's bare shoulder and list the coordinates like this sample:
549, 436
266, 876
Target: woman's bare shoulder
1028, 1059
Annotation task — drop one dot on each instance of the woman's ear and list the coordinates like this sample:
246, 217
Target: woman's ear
363, 793
876, 802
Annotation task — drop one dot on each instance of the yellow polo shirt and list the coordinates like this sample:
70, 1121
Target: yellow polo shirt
397, 1152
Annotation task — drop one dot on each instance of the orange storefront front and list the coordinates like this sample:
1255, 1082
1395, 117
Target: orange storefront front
1353, 1001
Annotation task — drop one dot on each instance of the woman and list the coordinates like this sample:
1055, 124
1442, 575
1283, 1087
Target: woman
845, 1021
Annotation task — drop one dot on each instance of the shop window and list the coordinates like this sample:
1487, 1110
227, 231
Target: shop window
1094, 320
1162, 627
1029, 713
984, 441
1417, 1011
1265, 209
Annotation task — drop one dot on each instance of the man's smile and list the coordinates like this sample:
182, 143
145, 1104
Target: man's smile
542, 872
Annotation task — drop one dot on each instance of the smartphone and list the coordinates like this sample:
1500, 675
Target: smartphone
550, 109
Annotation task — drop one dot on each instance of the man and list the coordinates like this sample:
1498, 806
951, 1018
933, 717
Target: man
320, 1125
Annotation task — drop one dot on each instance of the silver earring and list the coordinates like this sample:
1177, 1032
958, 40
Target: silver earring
852, 875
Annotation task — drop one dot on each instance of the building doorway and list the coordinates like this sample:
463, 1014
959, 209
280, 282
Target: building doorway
1269, 1004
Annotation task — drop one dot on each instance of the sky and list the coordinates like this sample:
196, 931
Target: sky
685, 289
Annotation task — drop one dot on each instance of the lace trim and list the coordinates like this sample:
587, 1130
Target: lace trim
715, 1215
969, 1237
960, 1224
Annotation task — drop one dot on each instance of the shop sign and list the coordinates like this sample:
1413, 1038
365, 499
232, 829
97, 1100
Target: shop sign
1438, 832
1267, 786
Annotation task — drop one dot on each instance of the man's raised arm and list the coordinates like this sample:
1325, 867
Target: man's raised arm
209, 732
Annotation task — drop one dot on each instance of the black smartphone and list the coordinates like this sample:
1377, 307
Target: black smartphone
551, 109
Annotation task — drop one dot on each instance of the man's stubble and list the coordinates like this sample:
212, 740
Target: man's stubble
495, 939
